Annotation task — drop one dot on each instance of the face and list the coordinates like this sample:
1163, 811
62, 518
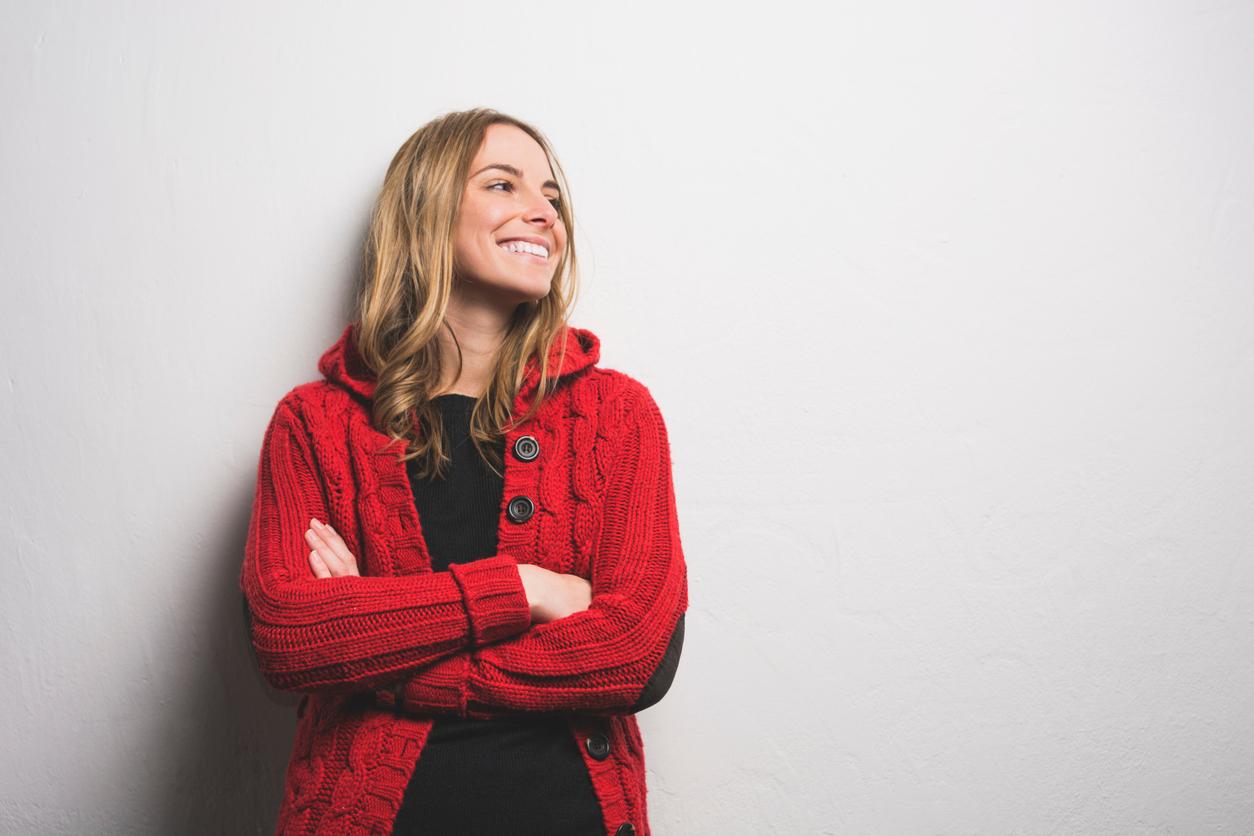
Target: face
515, 201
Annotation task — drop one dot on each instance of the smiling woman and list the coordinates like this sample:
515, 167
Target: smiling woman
464, 548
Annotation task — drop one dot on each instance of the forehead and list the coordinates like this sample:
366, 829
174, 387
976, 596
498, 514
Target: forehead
512, 145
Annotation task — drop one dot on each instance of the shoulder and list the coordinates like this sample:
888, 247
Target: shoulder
315, 407
620, 401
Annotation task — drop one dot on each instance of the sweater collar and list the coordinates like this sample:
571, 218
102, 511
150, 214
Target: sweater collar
342, 365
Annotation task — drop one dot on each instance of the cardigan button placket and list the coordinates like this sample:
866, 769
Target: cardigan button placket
598, 746
520, 509
526, 448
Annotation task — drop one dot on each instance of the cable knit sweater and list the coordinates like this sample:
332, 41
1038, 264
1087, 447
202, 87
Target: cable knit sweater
588, 491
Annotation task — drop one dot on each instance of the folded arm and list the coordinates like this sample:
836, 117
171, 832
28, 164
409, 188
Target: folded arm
617, 656
353, 633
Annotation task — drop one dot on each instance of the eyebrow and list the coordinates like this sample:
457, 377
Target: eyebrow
547, 184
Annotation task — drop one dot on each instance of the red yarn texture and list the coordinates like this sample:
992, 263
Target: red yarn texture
460, 642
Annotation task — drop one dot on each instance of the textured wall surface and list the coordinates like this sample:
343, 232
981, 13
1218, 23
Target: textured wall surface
950, 312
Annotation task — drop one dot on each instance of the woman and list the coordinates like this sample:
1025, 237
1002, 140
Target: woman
467, 560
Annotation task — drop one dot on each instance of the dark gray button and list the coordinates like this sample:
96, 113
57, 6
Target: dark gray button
625, 829
598, 746
526, 448
520, 509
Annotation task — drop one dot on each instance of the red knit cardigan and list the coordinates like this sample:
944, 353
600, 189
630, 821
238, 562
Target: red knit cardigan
461, 642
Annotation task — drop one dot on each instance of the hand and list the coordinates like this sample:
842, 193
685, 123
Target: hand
553, 595
330, 558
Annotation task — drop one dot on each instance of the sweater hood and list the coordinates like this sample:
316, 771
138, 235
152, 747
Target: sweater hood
342, 365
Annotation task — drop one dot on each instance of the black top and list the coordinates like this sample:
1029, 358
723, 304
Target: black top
516, 775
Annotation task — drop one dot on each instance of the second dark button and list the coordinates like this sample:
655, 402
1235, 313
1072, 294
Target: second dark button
520, 509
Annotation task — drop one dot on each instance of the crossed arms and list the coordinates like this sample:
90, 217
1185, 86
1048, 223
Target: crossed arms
461, 642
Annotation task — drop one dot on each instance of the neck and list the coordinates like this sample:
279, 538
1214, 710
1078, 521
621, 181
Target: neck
480, 331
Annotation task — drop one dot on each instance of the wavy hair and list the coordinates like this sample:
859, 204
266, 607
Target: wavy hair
407, 278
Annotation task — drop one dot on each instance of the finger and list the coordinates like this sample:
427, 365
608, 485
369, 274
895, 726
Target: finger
319, 568
335, 542
325, 552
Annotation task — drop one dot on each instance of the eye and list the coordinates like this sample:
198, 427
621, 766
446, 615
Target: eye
555, 202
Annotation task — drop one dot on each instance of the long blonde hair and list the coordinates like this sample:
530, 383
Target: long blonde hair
407, 279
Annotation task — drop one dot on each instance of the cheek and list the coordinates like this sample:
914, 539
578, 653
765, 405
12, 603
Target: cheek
476, 218
475, 235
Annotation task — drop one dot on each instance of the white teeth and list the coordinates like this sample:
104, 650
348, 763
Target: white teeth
525, 247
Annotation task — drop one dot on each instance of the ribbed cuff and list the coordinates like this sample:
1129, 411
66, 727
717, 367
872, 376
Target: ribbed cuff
496, 602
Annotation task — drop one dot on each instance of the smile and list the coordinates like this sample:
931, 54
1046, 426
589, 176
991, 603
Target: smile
527, 250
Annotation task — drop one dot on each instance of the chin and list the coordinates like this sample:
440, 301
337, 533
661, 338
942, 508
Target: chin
515, 290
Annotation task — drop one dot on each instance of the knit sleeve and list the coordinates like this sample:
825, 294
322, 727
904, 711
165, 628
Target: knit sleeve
438, 688
617, 656
353, 633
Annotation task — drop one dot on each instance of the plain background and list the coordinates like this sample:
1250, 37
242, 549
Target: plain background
949, 309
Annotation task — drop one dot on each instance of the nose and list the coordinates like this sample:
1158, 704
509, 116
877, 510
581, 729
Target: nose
541, 211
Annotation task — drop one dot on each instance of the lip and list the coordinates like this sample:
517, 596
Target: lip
530, 239
532, 257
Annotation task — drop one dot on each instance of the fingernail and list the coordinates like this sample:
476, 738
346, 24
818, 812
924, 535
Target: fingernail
314, 522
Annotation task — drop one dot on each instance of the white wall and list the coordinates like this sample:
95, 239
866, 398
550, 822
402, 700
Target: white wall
949, 309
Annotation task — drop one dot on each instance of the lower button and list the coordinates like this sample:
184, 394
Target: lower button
598, 746
625, 829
